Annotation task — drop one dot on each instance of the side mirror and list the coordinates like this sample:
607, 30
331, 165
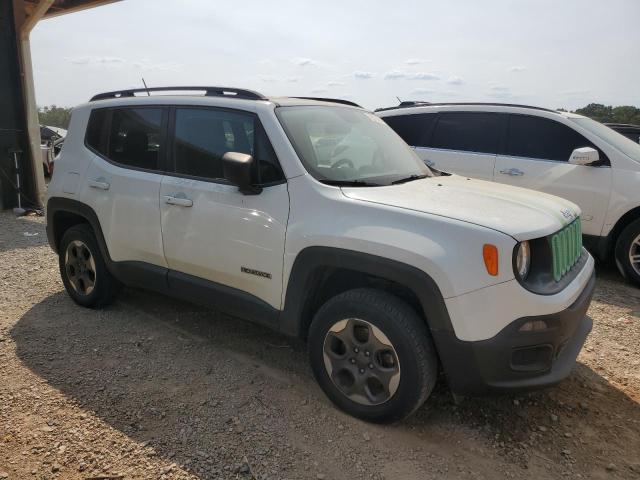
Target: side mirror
236, 168
584, 156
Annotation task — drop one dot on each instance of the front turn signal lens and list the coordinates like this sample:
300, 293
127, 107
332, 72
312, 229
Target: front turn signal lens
490, 256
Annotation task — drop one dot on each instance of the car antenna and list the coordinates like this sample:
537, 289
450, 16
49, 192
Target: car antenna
399, 101
145, 86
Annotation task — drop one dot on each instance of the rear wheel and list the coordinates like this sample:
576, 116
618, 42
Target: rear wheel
372, 355
628, 252
83, 269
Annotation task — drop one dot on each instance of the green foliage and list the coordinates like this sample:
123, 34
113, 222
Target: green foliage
609, 114
54, 116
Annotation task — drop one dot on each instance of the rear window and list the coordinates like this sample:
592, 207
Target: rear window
130, 137
413, 129
468, 132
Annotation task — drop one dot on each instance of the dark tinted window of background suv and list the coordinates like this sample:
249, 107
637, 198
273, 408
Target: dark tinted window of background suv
128, 136
204, 135
468, 131
414, 129
536, 137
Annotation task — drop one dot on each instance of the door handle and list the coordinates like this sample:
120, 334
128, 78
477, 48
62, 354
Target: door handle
99, 183
514, 172
179, 200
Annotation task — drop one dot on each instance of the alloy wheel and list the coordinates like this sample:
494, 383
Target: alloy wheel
361, 361
634, 254
80, 267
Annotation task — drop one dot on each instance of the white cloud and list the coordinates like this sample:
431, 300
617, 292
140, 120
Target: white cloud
334, 83
415, 61
455, 80
395, 75
421, 91
304, 62
363, 75
319, 90
267, 62
293, 79
109, 62
267, 78
423, 76
399, 75
517, 68
500, 88
95, 60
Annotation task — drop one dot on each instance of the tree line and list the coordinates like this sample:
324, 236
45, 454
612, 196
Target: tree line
55, 116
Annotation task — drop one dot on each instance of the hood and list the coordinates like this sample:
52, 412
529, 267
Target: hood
521, 213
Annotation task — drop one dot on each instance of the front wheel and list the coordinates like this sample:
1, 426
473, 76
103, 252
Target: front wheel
372, 355
628, 252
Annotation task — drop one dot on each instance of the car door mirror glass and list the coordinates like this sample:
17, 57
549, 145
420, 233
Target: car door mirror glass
584, 156
237, 168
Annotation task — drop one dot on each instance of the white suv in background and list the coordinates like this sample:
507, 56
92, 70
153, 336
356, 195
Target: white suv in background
555, 152
388, 270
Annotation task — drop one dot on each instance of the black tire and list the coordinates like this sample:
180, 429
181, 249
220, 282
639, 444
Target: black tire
104, 287
627, 244
411, 342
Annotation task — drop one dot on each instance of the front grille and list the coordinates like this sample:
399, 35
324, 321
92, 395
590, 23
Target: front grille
566, 246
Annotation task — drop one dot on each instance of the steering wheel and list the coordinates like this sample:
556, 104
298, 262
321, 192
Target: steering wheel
343, 162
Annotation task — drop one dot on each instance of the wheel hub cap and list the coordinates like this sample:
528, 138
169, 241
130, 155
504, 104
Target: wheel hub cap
80, 267
361, 361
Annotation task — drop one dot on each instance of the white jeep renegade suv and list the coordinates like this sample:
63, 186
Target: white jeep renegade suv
388, 270
554, 152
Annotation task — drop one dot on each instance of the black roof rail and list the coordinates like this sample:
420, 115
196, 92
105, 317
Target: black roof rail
410, 104
209, 92
331, 100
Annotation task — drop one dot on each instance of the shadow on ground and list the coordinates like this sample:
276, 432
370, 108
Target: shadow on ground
178, 375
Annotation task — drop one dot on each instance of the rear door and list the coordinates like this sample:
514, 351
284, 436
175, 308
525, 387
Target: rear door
211, 231
536, 155
123, 180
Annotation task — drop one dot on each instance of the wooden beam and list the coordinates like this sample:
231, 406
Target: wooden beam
75, 6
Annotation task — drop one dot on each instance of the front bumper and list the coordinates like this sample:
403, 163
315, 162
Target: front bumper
514, 360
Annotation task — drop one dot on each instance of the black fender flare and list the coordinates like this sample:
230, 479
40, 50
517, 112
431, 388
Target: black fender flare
311, 259
131, 273
61, 204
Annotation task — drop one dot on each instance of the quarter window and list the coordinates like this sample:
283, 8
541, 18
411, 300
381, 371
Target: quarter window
204, 135
536, 137
468, 132
414, 129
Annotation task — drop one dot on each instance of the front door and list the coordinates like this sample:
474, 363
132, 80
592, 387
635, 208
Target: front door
210, 230
537, 155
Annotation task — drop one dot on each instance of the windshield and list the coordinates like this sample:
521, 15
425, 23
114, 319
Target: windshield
344, 145
615, 139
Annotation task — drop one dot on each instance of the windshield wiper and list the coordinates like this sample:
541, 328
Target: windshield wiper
350, 183
410, 178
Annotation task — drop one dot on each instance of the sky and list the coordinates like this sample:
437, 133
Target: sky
551, 53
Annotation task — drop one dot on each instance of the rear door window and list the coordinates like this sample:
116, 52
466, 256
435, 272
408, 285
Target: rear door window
131, 137
468, 132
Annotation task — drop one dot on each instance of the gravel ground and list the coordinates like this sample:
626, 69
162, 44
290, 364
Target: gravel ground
155, 388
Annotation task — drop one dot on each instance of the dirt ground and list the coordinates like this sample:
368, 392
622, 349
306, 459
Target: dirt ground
155, 388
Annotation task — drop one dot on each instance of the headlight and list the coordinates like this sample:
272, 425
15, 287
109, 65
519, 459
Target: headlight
523, 260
